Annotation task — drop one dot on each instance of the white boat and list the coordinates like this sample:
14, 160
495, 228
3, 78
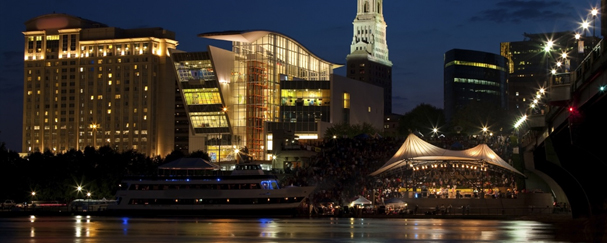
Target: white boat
246, 191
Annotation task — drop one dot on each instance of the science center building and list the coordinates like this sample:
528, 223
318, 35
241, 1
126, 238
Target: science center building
265, 93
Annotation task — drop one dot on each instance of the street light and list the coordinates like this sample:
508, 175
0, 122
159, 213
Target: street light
88, 195
224, 109
585, 26
594, 12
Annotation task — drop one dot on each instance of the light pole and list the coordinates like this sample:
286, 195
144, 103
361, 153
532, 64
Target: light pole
88, 195
33, 197
221, 137
594, 12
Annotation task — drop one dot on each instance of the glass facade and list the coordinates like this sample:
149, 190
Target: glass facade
305, 97
203, 96
259, 68
231, 97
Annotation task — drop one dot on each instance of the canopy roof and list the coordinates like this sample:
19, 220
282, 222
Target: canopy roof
189, 164
416, 150
361, 200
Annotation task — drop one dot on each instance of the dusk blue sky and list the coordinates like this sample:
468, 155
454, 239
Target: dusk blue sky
419, 33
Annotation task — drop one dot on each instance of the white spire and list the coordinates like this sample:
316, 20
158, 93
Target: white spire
370, 32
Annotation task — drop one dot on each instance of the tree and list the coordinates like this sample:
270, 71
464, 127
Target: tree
200, 154
349, 130
471, 118
423, 119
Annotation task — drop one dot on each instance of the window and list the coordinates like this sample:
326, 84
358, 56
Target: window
346, 101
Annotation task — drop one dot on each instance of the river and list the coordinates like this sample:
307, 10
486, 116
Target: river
123, 229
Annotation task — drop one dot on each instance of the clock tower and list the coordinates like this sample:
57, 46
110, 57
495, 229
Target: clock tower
368, 60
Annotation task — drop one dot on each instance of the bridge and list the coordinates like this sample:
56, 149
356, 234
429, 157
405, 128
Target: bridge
566, 145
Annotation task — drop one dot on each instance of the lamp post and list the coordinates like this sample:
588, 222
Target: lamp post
220, 137
79, 190
594, 12
88, 195
33, 197
585, 26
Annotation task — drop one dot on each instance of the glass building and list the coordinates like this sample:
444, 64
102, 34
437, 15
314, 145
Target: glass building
269, 83
473, 75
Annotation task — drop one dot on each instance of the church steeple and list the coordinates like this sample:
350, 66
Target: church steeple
368, 60
370, 32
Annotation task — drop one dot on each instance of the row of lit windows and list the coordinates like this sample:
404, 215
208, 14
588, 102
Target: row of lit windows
475, 64
244, 186
212, 201
475, 81
301, 97
208, 119
204, 96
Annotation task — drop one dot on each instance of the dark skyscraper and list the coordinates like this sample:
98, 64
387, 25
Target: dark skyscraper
474, 76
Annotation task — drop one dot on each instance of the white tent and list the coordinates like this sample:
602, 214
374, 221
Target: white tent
361, 201
395, 202
415, 150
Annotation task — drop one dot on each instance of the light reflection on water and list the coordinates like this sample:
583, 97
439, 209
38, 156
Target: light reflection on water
116, 229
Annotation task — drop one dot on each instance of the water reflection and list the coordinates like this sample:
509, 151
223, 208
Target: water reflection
107, 229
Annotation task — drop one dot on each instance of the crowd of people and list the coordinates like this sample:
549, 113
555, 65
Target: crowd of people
341, 171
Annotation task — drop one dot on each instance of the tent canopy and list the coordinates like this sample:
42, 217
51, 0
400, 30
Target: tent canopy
360, 200
416, 150
394, 202
189, 164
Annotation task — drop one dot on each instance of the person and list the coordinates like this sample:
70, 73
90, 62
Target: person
449, 208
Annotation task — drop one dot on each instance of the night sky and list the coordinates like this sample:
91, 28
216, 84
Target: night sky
419, 33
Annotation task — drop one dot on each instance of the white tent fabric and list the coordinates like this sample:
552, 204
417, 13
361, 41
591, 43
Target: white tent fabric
415, 150
361, 201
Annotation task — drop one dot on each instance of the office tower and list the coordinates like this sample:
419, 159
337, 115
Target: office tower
368, 60
473, 76
89, 84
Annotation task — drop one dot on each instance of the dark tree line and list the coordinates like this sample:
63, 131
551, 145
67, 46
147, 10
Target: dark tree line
55, 177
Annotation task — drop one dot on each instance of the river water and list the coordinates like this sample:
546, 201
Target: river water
119, 229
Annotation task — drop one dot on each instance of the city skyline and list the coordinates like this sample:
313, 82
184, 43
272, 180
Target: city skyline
416, 42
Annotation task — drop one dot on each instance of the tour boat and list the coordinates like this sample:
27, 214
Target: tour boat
248, 190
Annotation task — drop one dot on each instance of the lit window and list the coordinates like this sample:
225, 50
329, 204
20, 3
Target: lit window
346, 101
92, 97
369, 108
109, 111
109, 82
